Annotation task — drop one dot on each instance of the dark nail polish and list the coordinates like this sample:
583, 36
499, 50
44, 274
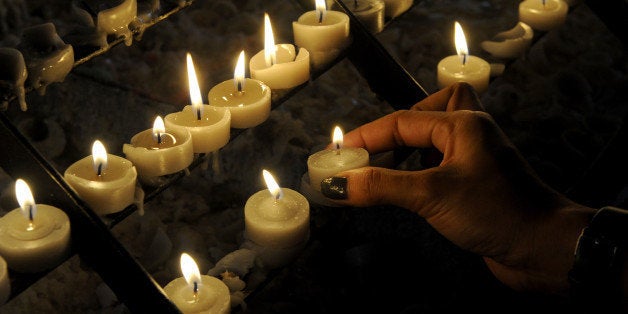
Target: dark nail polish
334, 188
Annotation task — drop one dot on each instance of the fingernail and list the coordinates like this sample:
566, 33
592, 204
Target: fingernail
334, 188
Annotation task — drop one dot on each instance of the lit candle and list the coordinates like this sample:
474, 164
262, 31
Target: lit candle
194, 293
13, 75
279, 219
463, 67
369, 12
543, 15
322, 32
395, 8
104, 181
115, 21
155, 152
210, 126
248, 100
279, 66
328, 162
5, 283
33, 237
511, 43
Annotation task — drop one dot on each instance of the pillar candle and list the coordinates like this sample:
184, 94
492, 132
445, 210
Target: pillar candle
159, 151
5, 282
369, 12
13, 75
279, 66
509, 44
33, 237
210, 126
194, 293
279, 219
395, 8
248, 100
543, 15
115, 21
328, 162
104, 181
463, 67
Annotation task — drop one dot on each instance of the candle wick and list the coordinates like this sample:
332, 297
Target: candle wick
239, 86
158, 137
355, 4
464, 59
99, 172
198, 114
30, 218
320, 17
195, 291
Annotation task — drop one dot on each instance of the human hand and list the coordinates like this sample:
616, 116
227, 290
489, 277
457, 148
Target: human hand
483, 196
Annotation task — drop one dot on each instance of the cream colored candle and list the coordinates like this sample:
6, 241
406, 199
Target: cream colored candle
248, 100
194, 293
327, 163
279, 66
209, 126
159, 151
463, 67
543, 15
395, 8
323, 33
279, 219
5, 282
13, 75
33, 237
104, 181
116, 20
369, 12
512, 43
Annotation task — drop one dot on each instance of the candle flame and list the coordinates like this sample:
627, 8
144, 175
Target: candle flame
238, 73
337, 138
195, 90
159, 129
99, 157
190, 272
270, 50
272, 185
321, 10
461, 43
25, 199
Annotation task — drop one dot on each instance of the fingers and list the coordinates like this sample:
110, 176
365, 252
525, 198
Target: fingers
459, 96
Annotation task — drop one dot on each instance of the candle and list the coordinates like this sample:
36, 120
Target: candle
395, 8
463, 67
543, 15
13, 75
5, 283
323, 33
248, 100
369, 12
279, 66
210, 126
33, 237
279, 219
327, 163
511, 43
155, 152
115, 21
194, 293
104, 181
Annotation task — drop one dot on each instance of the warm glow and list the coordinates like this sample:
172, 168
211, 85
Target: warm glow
99, 157
337, 138
272, 185
159, 129
25, 199
238, 74
195, 90
270, 51
190, 272
321, 10
461, 43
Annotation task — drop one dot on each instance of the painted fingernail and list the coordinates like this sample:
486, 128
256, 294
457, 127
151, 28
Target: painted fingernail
334, 188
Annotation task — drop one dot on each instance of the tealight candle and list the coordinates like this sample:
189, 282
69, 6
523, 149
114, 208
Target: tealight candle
511, 43
279, 66
279, 219
5, 283
369, 12
194, 293
322, 32
210, 126
104, 181
115, 21
463, 67
248, 100
543, 15
395, 8
13, 75
155, 152
33, 237
326, 163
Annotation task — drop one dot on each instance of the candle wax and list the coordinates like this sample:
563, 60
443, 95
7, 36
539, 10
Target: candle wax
13, 74
324, 41
475, 71
395, 8
5, 283
543, 17
511, 43
291, 69
116, 21
248, 108
327, 163
209, 134
369, 12
213, 296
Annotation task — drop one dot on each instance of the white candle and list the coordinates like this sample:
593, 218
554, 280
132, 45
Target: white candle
543, 15
210, 126
511, 43
194, 293
369, 12
327, 163
116, 20
279, 219
13, 74
322, 32
5, 282
395, 8
159, 151
33, 237
104, 181
279, 66
248, 100
463, 67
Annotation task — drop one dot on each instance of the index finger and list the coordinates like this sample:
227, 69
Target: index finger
459, 96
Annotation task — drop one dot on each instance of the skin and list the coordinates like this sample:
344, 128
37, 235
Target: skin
483, 196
